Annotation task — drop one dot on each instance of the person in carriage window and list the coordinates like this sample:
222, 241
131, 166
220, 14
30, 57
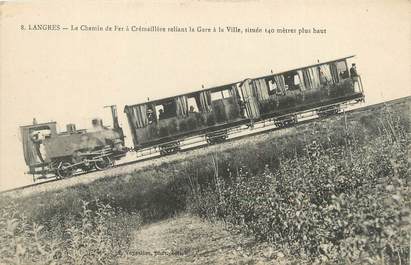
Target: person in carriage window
323, 78
161, 114
150, 116
192, 110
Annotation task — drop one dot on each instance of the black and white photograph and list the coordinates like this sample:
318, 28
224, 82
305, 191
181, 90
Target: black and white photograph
205, 132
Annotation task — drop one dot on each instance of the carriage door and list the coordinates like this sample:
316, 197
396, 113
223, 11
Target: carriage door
252, 110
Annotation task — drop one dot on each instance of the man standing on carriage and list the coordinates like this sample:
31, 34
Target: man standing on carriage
354, 75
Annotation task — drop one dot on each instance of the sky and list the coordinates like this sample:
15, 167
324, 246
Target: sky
68, 76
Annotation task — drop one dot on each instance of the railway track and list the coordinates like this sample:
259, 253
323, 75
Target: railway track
236, 133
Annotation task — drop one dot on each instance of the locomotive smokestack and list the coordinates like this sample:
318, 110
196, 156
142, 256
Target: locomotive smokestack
97, 122
114, 115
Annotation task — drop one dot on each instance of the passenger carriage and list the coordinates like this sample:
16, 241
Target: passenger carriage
321, 87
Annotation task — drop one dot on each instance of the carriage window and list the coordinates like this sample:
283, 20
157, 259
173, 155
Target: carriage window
223, 93
166, 109
296, 80
159, 109
216, 95
292, 80
40, 133
150, 115
342, 69
192, 105
272, 87
226, 93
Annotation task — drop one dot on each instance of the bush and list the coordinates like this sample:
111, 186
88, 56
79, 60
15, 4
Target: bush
329, 202
99, 235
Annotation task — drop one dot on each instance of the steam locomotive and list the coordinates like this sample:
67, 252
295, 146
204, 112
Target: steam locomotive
49, 153
162, 124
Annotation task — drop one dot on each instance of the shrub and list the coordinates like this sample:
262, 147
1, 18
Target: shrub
328, 202
99, 235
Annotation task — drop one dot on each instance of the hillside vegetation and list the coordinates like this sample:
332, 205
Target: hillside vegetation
335, 192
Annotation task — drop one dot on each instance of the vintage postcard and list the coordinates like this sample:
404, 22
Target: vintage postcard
205, 132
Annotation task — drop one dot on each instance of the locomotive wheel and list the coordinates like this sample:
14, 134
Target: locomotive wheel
65, 170
103, 163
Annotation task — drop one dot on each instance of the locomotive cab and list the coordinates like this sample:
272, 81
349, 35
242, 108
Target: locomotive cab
33, 137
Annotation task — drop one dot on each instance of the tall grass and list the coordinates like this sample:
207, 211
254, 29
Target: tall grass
99, 234
336, 202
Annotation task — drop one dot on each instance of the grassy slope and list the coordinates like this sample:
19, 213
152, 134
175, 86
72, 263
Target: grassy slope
160, 191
